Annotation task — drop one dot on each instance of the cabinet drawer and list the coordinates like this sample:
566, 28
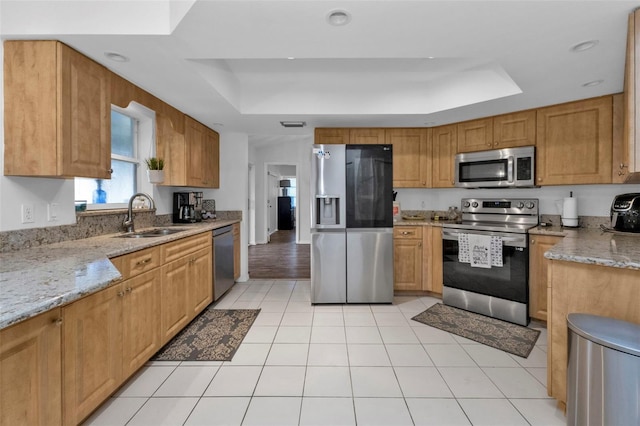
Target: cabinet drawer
176, 249
407, 232
133, 264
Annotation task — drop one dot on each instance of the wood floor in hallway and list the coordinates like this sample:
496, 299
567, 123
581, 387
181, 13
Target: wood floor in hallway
280, 258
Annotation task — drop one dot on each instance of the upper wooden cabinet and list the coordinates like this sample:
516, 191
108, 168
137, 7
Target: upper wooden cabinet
630, 162
331, 136
367, 136
574, 142
502, 131
476, 135
410, 157
57, 112
443, 155
211, 159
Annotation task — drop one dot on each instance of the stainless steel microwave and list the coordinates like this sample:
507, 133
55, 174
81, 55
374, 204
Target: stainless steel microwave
508, 168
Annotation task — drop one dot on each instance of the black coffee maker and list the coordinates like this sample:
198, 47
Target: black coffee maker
187, 207
625, 213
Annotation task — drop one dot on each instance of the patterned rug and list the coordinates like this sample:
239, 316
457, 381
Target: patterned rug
512, 338
214, 335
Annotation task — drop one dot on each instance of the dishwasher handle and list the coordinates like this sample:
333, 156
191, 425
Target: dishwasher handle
221, 231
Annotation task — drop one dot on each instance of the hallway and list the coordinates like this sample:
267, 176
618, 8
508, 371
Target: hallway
280, 258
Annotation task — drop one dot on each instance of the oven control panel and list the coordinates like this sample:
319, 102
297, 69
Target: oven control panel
505, 206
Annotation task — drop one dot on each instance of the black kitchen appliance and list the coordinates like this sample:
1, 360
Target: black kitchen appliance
187, 207
625, 213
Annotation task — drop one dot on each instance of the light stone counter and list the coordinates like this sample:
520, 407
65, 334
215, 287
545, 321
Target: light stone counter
35, 280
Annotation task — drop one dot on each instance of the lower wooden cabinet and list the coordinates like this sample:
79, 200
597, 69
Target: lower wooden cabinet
434, 273
538, 267
92, 354
407, 258
30, 372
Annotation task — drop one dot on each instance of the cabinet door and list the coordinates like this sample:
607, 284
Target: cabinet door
574, 143
195, 140
366, 136
444, 142
84, 116
236, 251
201, 282
407, 264
410, 157
538, 267
475, 135
172, 147
331, 136
92, 352
141, 325
30, 372
175, 303
631, 130
211, 159
514, 130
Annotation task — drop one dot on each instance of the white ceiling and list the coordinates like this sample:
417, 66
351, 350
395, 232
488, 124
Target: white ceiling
396, 64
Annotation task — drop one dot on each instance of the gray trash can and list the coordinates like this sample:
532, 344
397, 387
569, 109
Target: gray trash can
603, 378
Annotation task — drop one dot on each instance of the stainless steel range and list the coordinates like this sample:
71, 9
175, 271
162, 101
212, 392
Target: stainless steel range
486, 257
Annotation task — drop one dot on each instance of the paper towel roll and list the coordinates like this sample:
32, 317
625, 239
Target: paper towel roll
570, 212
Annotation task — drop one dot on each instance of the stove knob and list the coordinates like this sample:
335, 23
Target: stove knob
466, 204
520, 205
474, 204
530, 205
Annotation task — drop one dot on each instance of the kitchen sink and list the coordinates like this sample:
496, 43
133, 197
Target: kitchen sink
157, 232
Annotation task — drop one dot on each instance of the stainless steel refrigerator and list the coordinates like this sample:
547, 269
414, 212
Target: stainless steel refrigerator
352, 224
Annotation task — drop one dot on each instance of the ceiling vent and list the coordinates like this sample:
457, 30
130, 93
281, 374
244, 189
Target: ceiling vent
293, 123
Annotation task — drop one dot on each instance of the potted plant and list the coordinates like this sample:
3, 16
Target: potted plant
155, 170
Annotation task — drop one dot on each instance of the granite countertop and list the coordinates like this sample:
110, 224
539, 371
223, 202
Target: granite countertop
35, 280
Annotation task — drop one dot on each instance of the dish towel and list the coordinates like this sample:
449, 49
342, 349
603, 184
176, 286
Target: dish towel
463, 248
480, 251
496, 251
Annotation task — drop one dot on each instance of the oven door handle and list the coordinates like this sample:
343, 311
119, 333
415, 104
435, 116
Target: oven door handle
507, 240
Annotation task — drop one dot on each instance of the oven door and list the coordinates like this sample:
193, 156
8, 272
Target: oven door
509, 282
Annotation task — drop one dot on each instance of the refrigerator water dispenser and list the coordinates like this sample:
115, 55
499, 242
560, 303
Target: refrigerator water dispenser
327, 210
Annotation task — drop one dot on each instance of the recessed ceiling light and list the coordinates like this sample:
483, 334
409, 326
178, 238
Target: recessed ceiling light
291, 58
585, 45
117, 57
293, 123
593, 83
339, 18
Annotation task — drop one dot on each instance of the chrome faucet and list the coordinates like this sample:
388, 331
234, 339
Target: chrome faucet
128, 221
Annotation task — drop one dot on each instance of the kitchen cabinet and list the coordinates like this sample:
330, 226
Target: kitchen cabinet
211, 159
31, 371
92, 353
574, 142
476, 135
411, 166
366, 136
186, 283
538, 268
434, 282
202, 152
171, 146
331, 136
236, 251
502, 131
630, 163
407, 258
59, 122
591, 289
444, 140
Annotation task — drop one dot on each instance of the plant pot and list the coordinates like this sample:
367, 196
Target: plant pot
155, 176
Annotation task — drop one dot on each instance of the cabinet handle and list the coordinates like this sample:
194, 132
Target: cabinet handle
419, 244
121, 294
57, 321
539, 179
405, 233
496, 144
143, 262
488, 144
533, 241
110, 171
622, 165
129, 290
621, 173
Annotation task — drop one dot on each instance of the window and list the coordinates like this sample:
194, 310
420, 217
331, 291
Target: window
115, 192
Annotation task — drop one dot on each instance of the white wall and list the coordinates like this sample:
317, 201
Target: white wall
292, 153
593, 200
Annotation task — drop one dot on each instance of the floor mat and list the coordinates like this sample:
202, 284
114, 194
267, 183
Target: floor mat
508, 337
214, 335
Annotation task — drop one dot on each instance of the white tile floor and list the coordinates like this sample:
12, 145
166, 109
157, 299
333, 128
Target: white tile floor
339, 365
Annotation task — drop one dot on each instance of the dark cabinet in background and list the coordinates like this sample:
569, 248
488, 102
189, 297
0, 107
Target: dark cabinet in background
285, 213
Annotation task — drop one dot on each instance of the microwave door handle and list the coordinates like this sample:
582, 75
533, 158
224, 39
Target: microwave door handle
510, 174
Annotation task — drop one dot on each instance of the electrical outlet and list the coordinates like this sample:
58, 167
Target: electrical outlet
27, 213
424, 205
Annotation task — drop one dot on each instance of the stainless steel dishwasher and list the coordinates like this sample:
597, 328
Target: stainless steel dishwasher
222, 261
